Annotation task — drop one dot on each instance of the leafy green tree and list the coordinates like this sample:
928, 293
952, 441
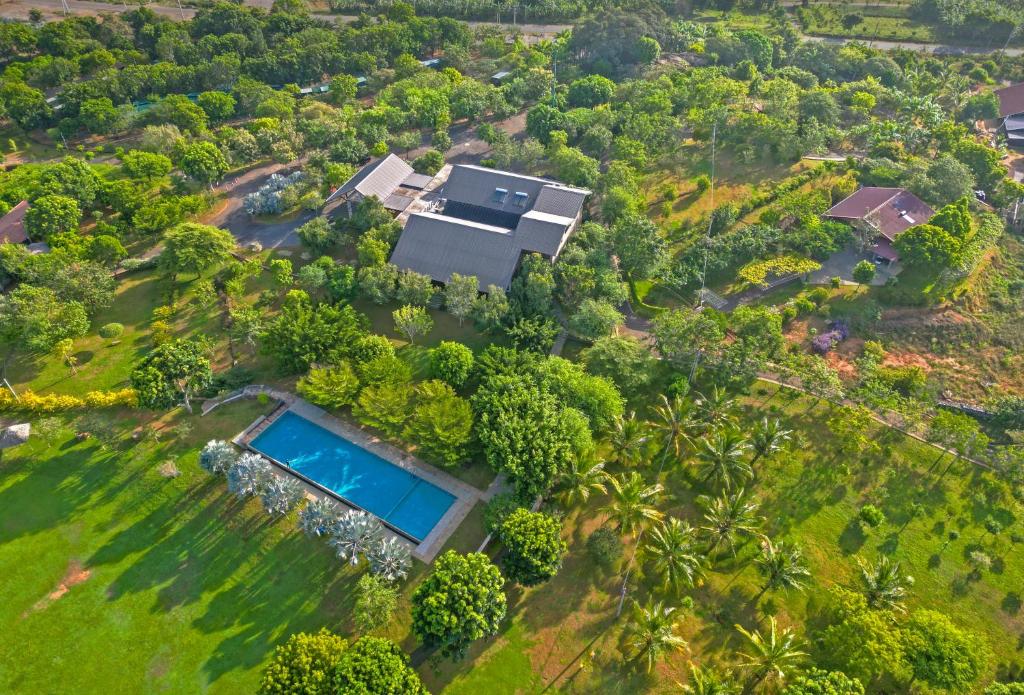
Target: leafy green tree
175, 369
632, 504
384, 406
204, 162
524, 431
927, 245
459, 602
819, 682
864, 272
624, 360
533, 546
50, 215
179, 110
460, 294
707, 681
771, 656
35, 319
85, 283
304, 665
451, 362
681, 334
378, 282
942, 655
412, 321
331, 387
441, 426
318, 235
1005, 689
759, 330
591, 91
673, 552
595, 319
863, 643
194, 247
376, 601
375, 665
146, 166
414, 288
491, 308
100, 116
26, 106
639, 246
302, 335
430, 162
651, 634
219, 106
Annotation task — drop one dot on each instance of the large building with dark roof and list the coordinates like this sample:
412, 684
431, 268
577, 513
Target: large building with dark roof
484, 221
1011, 114
879, 215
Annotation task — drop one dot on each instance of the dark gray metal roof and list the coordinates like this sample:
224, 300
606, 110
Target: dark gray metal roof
478, 186
542, 232
379, 178
397, 202
560, 200
1014, 122
437, 245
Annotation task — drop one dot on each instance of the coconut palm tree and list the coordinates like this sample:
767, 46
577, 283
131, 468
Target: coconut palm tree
770, 656
716, 408
708, 681
632, 504
884, 584
674, 423
768, 438
727, 518
781, 566
722, 456
629, 438
651, 633
672, 549
583, 477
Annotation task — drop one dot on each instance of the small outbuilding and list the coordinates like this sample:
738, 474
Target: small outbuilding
499, 78
1011, 114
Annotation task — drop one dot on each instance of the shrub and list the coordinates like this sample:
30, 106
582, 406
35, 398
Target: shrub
534, 546
604, 546
451, 362
498, 509
111, 330
52, 403
303, 665
871, 515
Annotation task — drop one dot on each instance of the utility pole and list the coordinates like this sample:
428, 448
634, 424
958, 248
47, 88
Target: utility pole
181, 11
64, 6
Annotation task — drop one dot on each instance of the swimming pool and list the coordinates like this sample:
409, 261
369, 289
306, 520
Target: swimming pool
402, 499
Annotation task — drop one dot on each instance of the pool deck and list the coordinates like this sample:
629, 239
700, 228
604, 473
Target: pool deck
466, 496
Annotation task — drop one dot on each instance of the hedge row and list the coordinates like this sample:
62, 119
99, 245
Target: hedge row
32, 402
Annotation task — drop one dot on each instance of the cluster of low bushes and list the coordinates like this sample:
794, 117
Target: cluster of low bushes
32, 402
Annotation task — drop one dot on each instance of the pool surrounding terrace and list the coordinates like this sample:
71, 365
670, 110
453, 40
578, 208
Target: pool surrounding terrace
403, 500
416, 501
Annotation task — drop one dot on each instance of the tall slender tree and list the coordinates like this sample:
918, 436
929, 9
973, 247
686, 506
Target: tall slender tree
728, 518
781, 567
651, 634
768, 438
632, 504
674, 424
723, 458
770, 656
673, 552
583, 476
884, 585
629, 438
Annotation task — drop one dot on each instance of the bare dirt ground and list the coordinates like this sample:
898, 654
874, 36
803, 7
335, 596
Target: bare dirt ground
75, 574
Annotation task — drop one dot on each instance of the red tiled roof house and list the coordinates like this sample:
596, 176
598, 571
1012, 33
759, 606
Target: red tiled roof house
879, 215
12, 225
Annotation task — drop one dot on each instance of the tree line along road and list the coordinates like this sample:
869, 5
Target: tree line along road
19, 9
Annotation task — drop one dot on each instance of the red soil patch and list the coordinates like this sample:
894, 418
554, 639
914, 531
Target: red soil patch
75, 574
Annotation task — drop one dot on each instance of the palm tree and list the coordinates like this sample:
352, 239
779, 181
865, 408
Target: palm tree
723, 457
319, 517
769, 438
716, 408
674, 421
583, 477
883, 584
390, 559
355, 533
629, 438
727, 518
771, 655
632, 504
781, 566
651, 633
672, 549
707, 681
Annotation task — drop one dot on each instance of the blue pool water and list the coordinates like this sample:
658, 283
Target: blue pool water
404, 500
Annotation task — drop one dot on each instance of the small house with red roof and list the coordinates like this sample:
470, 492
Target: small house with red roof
879, 215
1011, 114
12, 225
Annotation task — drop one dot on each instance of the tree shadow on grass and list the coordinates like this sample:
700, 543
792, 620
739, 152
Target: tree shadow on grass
852, 539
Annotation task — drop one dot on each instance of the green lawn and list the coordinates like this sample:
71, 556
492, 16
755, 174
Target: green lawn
120, 580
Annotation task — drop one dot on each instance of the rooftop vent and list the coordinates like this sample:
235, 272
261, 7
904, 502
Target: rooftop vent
520, 199
499, 195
